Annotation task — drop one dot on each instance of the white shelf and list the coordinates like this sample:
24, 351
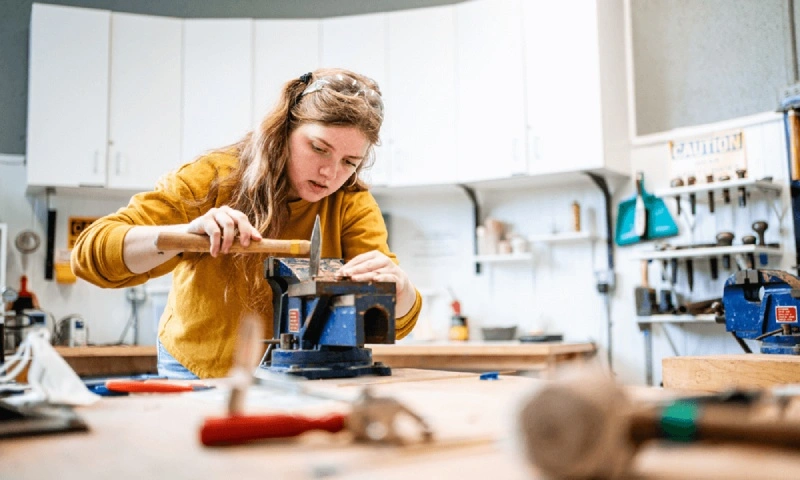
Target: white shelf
717, 186
662, 318
707, 252
504, 258
561, 237
516, 182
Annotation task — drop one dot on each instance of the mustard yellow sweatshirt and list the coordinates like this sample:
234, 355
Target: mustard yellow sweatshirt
210, 295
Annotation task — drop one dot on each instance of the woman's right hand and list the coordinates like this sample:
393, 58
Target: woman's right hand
222, 225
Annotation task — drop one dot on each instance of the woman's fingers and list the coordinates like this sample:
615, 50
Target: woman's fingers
222, 226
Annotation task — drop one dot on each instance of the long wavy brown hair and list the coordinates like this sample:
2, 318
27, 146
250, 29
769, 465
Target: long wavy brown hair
260, 184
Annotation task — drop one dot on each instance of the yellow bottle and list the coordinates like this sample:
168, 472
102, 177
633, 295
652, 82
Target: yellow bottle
459, 329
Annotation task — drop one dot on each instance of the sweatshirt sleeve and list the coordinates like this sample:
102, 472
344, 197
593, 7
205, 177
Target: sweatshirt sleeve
364, 230
97, 255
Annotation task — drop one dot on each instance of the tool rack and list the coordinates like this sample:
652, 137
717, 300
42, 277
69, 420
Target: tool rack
769, 191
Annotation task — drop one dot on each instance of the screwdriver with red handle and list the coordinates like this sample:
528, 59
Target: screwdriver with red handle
237, 429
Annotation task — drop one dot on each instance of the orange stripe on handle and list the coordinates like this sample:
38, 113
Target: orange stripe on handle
217, 431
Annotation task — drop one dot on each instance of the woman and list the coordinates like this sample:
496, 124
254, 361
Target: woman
302, 161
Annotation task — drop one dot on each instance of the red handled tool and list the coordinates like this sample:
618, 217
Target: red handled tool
152, 386
236, 429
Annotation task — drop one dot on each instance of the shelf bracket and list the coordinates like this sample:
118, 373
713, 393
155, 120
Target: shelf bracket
603, 186
476, 219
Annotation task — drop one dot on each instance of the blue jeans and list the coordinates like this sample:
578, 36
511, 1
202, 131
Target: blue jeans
169, 367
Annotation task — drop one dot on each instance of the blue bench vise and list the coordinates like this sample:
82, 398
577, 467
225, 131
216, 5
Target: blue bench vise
762, 305
322, 322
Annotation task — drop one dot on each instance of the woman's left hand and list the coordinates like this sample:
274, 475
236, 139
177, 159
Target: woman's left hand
374, 266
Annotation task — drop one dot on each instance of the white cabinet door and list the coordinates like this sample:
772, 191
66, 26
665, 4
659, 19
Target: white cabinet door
145, 100
278, 60
490, 122
217, 84
563, 86
358, 43
421, 53
68, 96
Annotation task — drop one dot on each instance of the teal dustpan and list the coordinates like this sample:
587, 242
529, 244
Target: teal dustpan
643, 217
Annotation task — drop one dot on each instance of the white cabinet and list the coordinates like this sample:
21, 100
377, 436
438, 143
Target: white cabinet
104, 98
490, 122
217, 84
422, 97
145, 100
283, 50
68, 96
358, 43
575, 86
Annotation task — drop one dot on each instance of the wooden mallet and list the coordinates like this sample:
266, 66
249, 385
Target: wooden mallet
587, 427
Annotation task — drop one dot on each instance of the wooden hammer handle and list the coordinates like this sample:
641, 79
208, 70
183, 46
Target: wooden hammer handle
192, 242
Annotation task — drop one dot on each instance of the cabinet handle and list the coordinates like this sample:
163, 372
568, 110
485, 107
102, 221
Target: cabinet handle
96, 162
119, 163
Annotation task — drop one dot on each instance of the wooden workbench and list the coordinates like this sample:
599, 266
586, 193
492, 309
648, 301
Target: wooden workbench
476, 356
716, 373
458, 356
110, 361
156, 436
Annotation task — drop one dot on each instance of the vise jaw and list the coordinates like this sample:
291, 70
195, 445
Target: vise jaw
762, 305
323, 322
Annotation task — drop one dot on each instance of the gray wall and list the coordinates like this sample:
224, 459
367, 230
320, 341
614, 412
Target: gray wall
15, 18
702, 61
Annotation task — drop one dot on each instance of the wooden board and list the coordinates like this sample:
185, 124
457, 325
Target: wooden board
481, 355
109, 361
715, 373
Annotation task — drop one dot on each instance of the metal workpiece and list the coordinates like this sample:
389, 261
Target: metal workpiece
742, 173
677, 182
725, 239
726, 193
691, 180
710, 180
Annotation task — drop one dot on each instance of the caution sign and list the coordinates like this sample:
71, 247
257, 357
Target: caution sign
786, 314
76, 226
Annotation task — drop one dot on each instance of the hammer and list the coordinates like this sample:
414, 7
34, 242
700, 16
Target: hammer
193, 242
586, 427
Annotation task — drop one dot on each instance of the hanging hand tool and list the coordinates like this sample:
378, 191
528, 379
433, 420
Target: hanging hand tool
741, 173
751, 259
725, 239
661, 247
726, 193
677, 182
759, 227
644, 295
691, 180
713, 265
587, 427
710, 180
690, 273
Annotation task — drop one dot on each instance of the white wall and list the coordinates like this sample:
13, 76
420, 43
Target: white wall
432, 235
105, 311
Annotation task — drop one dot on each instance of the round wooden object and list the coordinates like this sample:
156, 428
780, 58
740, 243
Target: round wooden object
578, 429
